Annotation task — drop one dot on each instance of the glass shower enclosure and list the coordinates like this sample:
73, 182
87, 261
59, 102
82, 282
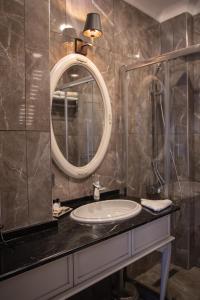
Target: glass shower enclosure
161, 98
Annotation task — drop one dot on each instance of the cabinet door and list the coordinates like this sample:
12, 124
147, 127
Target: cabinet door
95, 259
149, 234
40, 283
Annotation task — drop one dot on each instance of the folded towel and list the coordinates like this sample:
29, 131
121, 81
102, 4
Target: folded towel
156, 205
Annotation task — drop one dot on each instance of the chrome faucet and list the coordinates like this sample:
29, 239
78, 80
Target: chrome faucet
97, 189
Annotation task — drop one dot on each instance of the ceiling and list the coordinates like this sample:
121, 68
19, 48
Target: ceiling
162, 10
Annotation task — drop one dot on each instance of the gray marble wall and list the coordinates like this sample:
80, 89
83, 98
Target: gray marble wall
128, 35
25, 165
176, 33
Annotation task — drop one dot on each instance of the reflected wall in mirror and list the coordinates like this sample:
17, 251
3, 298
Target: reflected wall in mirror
77, 115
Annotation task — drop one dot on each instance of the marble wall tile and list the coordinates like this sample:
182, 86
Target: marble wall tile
104, 60
11, 32
181, 229
60, 184
120, 116
58, 49
196, 29
109, 170
196, 93
37, 24
195, 157
196, 249
109, 165
178, 95
12, 81
132, 31
13, 179
176, 33
139, 172
39, 176
37, 90
139, 100
12, 97
166, 35
57, 14
180, 149
24, 30
80, 188
182, 31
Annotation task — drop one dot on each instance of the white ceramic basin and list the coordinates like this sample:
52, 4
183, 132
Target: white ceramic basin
106, 211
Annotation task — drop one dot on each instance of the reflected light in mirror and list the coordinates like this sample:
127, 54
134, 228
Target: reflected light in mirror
74, 75
65, 26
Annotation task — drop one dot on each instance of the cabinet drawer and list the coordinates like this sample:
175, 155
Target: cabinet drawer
40, 283
95, 259
148, 234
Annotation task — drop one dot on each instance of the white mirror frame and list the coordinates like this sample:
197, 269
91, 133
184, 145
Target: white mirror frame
60, 67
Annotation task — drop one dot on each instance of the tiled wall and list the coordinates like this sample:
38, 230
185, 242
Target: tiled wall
128, 35
25, 162
25, 171
25, 165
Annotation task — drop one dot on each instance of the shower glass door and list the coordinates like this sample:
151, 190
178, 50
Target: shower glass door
163, 143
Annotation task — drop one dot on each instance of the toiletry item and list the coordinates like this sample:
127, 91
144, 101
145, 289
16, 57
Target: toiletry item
156, 205
62, 210
56, 203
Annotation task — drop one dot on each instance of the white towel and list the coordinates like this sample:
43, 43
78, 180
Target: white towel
156, 205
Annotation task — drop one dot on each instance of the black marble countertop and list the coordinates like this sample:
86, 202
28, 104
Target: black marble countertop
37, 248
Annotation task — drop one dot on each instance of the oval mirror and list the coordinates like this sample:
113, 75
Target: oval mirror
81, 117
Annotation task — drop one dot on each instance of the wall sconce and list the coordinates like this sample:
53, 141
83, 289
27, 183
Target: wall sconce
92, 27
92, 30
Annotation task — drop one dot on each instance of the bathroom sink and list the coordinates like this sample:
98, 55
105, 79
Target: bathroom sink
106, 211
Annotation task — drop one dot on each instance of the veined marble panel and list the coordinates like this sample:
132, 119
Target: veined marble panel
11, 32
176, 33
39, 176
57, 14
12, 81
37, 90
37, 24
13, 179
136, 34
140, 173
196, 29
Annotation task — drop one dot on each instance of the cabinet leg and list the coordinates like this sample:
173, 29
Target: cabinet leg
165, 264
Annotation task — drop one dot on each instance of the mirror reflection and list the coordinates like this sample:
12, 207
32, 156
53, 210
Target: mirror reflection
77, 115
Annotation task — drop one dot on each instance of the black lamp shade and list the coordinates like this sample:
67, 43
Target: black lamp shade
92, 27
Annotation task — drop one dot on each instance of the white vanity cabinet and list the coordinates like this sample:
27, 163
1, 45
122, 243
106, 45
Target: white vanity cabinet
64, 277
42, 283
150, 234
100, 257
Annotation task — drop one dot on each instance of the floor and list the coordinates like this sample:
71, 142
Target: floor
182, 285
